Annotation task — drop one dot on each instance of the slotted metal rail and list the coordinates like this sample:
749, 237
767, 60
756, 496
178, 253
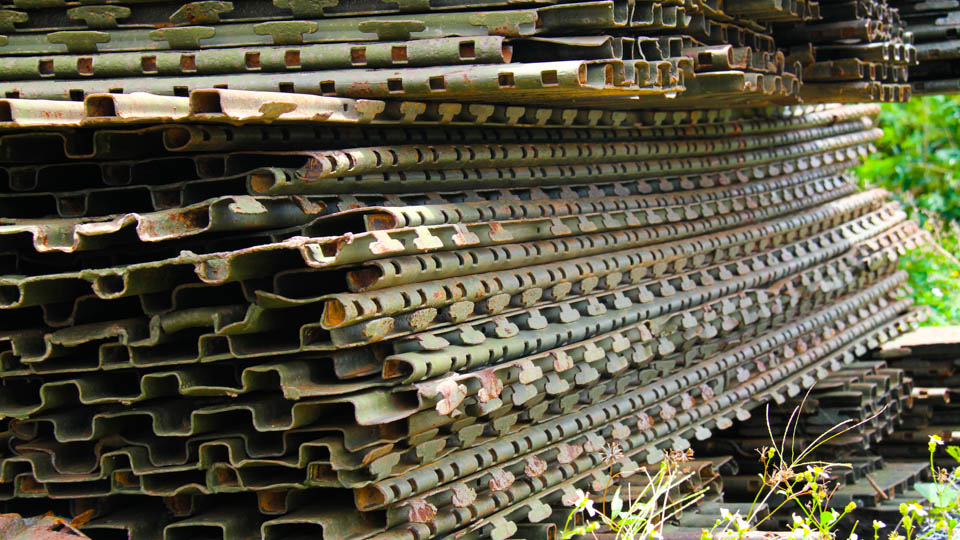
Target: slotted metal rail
414, 269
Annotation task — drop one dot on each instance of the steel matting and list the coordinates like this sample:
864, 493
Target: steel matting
410, 269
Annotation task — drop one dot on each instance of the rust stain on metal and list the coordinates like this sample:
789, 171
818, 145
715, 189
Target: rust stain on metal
416, 269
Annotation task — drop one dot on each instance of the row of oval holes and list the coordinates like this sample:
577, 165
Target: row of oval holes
188, 64
358, 57
407, 301
531, 150
605, 414
489, 289
394, 85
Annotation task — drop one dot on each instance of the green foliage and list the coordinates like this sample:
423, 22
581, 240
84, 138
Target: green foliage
918, 160
941, 501
935, 272
642, 511
936, 494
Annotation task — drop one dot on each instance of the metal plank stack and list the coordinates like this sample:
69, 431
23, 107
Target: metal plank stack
894, 401
930, 357
423, 289
866, 396
602, 52
857, 51
934, 26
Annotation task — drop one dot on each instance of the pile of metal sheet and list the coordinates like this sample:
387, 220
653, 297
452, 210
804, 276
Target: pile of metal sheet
849, 420
423, 269
894, 402
928, 357
411, 340
866, 396
611, 53
858, 50
931, 358
935, 27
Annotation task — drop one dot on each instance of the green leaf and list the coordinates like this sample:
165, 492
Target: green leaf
918, 159
616, 504
940, 496
954, 452
827, 518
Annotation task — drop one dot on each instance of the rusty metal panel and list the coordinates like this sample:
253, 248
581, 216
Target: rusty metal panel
425, 268
934, 30
892, 399
556, 50
561, 17
928, 357
425, 52
241, 107
13, 527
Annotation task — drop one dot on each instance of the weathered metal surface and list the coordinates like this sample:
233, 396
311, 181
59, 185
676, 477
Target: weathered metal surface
250, 107
409, 269
563, 17
320, 166
934, 28
611, 51
541, 82
929, 358
245, 213
46, 527
892, 400
423, 52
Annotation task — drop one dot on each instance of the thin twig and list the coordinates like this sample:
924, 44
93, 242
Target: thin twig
876, 487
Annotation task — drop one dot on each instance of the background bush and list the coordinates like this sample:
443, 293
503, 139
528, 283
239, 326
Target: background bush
918, 159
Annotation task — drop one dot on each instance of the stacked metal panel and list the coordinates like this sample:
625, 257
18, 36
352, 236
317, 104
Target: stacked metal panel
935, 28
866, 395
602, 52
893, 403
424, 339
930, 357
858, 50
468, 253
